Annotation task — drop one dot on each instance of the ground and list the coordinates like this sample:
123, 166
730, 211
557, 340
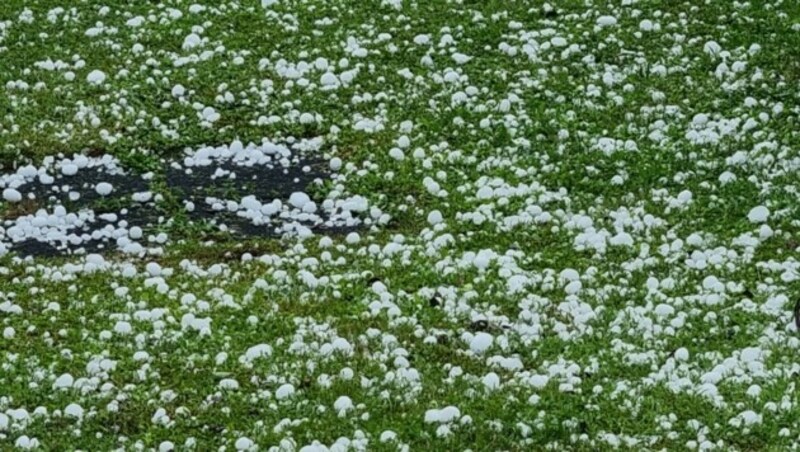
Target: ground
399, 225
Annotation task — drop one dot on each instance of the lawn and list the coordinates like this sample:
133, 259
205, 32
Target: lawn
312, 225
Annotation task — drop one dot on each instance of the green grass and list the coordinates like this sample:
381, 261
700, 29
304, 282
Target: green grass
606, 341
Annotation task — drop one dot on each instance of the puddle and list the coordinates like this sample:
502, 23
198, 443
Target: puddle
93, 205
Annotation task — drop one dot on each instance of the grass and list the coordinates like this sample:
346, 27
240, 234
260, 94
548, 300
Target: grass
408, 296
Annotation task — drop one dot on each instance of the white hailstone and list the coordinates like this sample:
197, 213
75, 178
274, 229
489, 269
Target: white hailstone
504, 106
538, 381
444, 416
378, 287
4, 421
166, 446
228, 383
694, 239
750, 417
104, 188
517, 283
335, 164
712, 48
646, 25
388, 436
727, 177
569, 274
404, 142
307, 118
434, 217
700, 119
178, 90
491, 381
481, 342
123, 328
191, 41
341, 344
663, 310
422, 40
135, 233
135, 21
758, 214
681, 354
284, 392
606, 21
160, 417
74, 410
573, 288
713, 284
12, 195
397, 154
70, 169
684, 197
299, 199
143, 196
460, 58
622, 239
328, 79
96, 77
251, 203
210, 114
751, 354
558, 41
512, 364
153, 268
352, 238
8, 332
256, 352
343, 404
482, 260
244, 443
64, 381
484, 192
24, 442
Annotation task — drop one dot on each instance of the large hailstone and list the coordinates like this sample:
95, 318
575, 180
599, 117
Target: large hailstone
758, 214
12, 195
96, 77
481, 342
104, 188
